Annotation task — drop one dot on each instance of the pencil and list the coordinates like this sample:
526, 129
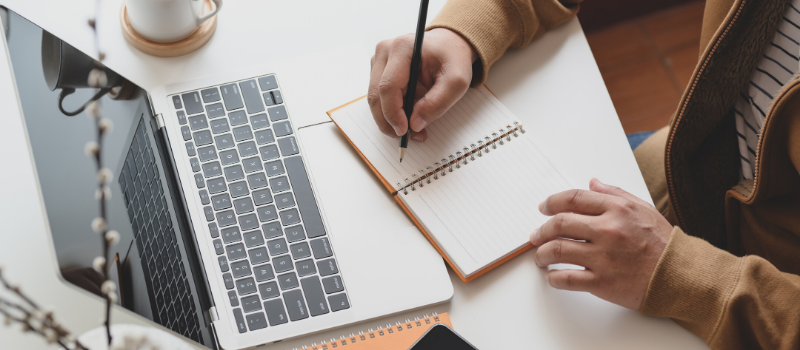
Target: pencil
408, 102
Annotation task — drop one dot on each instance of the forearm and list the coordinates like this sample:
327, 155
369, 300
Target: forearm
493, 26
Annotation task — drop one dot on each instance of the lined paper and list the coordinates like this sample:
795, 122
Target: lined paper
477, 115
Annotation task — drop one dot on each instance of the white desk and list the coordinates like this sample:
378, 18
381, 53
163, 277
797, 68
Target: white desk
553, 85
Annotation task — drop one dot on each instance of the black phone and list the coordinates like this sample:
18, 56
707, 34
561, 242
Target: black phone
442, 337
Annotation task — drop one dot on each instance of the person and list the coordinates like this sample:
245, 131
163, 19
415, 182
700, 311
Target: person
720, 251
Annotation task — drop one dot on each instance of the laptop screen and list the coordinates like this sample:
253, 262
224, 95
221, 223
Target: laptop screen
153, 262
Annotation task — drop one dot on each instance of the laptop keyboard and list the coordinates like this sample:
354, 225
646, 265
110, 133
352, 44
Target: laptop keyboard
272, 248
165, 276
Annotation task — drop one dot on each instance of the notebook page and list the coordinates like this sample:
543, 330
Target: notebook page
475, 116
487, 209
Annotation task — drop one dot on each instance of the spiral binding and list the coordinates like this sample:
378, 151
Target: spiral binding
371, 333
465, 155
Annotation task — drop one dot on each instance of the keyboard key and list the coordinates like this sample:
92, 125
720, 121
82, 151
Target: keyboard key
338, 302
210, 95
259, 121
237, 118
295, 233
284, 200
279, 184
274, 168
268, 83
333, 284
198, 181
247, 149
257, 180
176, 102
234, 173
282, 129
304, 197
235, 252
231, 96
272, 230
241, 269
218, 246
277, 113
204, 199
267, 213
327, 267
289, 217
215, 110
321, 248
226, 218
195, 163
219, 126
268, 100
229, 157
224, 141
233, 298
187, 134
231, 235
248, 222
278, 97
243, 205
209, 213
314, 295
190, 150
295, 305
251, 164
239, 189
202, 138
264, 137
262, 197
246, 286
221, 201
212, 169
242, 133
288, 281
228, 279
212, 227
192, 102
198, 122
258, 255
300, 250
277, 247
282, 263
305, 268
263, 273
217, 185
251, 303
252, 98
240, 324
207, 153
269, 152
223, 264
288, 146
276, 314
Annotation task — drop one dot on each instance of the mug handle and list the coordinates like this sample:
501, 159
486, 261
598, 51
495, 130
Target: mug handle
217, 5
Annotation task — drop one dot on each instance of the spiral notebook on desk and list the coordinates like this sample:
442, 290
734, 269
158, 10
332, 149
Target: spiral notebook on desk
473, 187
397, 336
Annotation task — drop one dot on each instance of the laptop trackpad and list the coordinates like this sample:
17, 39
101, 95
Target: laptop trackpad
387, 264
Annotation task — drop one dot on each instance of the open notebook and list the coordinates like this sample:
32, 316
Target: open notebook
473, 187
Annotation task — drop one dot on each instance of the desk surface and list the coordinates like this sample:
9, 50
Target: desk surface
553, 85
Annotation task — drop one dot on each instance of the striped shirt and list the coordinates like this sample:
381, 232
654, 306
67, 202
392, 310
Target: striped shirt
775, 68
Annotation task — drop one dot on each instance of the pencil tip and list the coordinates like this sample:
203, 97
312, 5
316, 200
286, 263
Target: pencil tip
402, 154
401, 160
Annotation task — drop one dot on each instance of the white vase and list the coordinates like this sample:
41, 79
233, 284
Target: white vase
95, 339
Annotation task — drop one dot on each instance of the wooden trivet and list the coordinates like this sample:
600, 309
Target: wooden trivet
187, 45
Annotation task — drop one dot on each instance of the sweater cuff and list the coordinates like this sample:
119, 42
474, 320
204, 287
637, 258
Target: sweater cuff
692, 284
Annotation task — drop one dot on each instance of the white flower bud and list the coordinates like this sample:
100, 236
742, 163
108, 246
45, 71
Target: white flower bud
105, 125
106, 192
93, 110
99, 225
112, 237
97, 78
50, 335
91, 148
108, 287
99, 263
104, 176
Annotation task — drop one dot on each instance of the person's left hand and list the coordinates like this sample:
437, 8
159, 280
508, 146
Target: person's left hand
617, 237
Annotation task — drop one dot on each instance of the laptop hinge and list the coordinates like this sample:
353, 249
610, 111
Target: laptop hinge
212, 311
159, 120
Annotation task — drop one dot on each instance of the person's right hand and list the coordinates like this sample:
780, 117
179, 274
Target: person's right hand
445, 75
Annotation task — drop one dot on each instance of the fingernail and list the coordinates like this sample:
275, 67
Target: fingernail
535, 236
541, 207
418, 124
536, 260
398, 132
418, 137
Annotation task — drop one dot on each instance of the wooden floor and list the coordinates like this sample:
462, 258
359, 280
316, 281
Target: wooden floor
647, 62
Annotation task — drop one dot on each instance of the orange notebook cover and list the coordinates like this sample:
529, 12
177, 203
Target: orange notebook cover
399, 336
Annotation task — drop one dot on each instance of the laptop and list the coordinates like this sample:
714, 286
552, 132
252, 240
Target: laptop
226, 239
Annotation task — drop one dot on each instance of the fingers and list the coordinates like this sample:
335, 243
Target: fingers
565, 225
564, 251
393, 83
574, 280
576, 201
378, 64
598, 186
444, 93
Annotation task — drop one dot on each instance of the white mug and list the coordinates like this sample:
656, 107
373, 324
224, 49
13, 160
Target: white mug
166, 21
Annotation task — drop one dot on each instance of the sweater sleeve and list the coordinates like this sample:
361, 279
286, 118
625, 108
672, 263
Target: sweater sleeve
493, 26
730, 302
